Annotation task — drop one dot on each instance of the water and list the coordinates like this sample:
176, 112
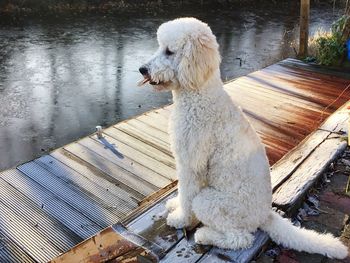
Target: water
61, 76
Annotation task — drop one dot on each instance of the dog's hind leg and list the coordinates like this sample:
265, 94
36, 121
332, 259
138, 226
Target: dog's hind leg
225, 222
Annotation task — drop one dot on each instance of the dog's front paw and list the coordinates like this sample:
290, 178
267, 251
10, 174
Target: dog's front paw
179, 219
172, 204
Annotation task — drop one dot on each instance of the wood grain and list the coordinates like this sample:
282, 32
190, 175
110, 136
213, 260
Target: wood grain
307, 173
111, 166
159, 174
97, 176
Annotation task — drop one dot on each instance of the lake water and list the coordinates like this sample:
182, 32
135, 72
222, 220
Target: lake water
61, 76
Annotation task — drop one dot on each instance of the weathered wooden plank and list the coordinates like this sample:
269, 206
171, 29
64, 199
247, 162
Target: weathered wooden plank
275, 142
285, 167
102, 247
338, 121
309, 92
272, 133
287, 113
299, 86
159, 174
269, 112
307, 86
152, 226
166, 111
141, 146
333, 73
49, 203
69, 194
97, 176
150, 130
113, 244
250, 89
149, 202
239, 256
154, 120
10, 252
307, 173
293, 73
111, 168
152, 248
161, 115
135, 256
143, 174
54, 231
286, 99
266, 110
102, 196
144, 137
290, 162
23, 233
186, 251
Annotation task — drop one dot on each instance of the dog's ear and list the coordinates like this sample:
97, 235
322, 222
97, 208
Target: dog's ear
199, 60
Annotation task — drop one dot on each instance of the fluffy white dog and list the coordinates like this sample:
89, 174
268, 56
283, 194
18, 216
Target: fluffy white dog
223, 171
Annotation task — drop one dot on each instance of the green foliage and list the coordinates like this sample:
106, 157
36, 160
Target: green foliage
330, 47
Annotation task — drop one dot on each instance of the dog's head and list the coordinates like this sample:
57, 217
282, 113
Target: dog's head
187, 56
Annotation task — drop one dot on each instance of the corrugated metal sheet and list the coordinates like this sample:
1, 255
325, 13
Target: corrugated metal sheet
108, 200
11, 252
23, 207
70, 194
51, 204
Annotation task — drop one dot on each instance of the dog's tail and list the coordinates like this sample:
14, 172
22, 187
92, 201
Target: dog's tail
283, 232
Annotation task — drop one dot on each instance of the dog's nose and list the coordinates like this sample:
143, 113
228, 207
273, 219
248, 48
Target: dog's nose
143, 70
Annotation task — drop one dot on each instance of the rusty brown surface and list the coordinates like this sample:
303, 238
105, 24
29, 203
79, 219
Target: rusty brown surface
286, 103
104, 246
138, 255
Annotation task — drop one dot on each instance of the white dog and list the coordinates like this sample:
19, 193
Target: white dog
223, 171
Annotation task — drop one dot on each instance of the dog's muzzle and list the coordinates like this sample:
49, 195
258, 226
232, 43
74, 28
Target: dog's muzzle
146, 77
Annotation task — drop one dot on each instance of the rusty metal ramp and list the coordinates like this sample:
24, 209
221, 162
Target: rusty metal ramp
56, 201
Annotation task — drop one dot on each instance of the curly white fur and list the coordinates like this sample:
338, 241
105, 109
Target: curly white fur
223, 171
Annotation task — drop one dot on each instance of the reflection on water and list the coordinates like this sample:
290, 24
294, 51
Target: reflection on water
61, 77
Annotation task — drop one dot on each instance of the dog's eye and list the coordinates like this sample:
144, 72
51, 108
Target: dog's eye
168, 52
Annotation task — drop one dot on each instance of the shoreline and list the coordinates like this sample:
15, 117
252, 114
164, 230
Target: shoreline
47, 8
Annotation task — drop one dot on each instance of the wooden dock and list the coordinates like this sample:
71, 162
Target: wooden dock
58, 200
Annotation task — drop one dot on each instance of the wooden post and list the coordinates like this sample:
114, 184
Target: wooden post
345, 36
304, 27
346, 30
